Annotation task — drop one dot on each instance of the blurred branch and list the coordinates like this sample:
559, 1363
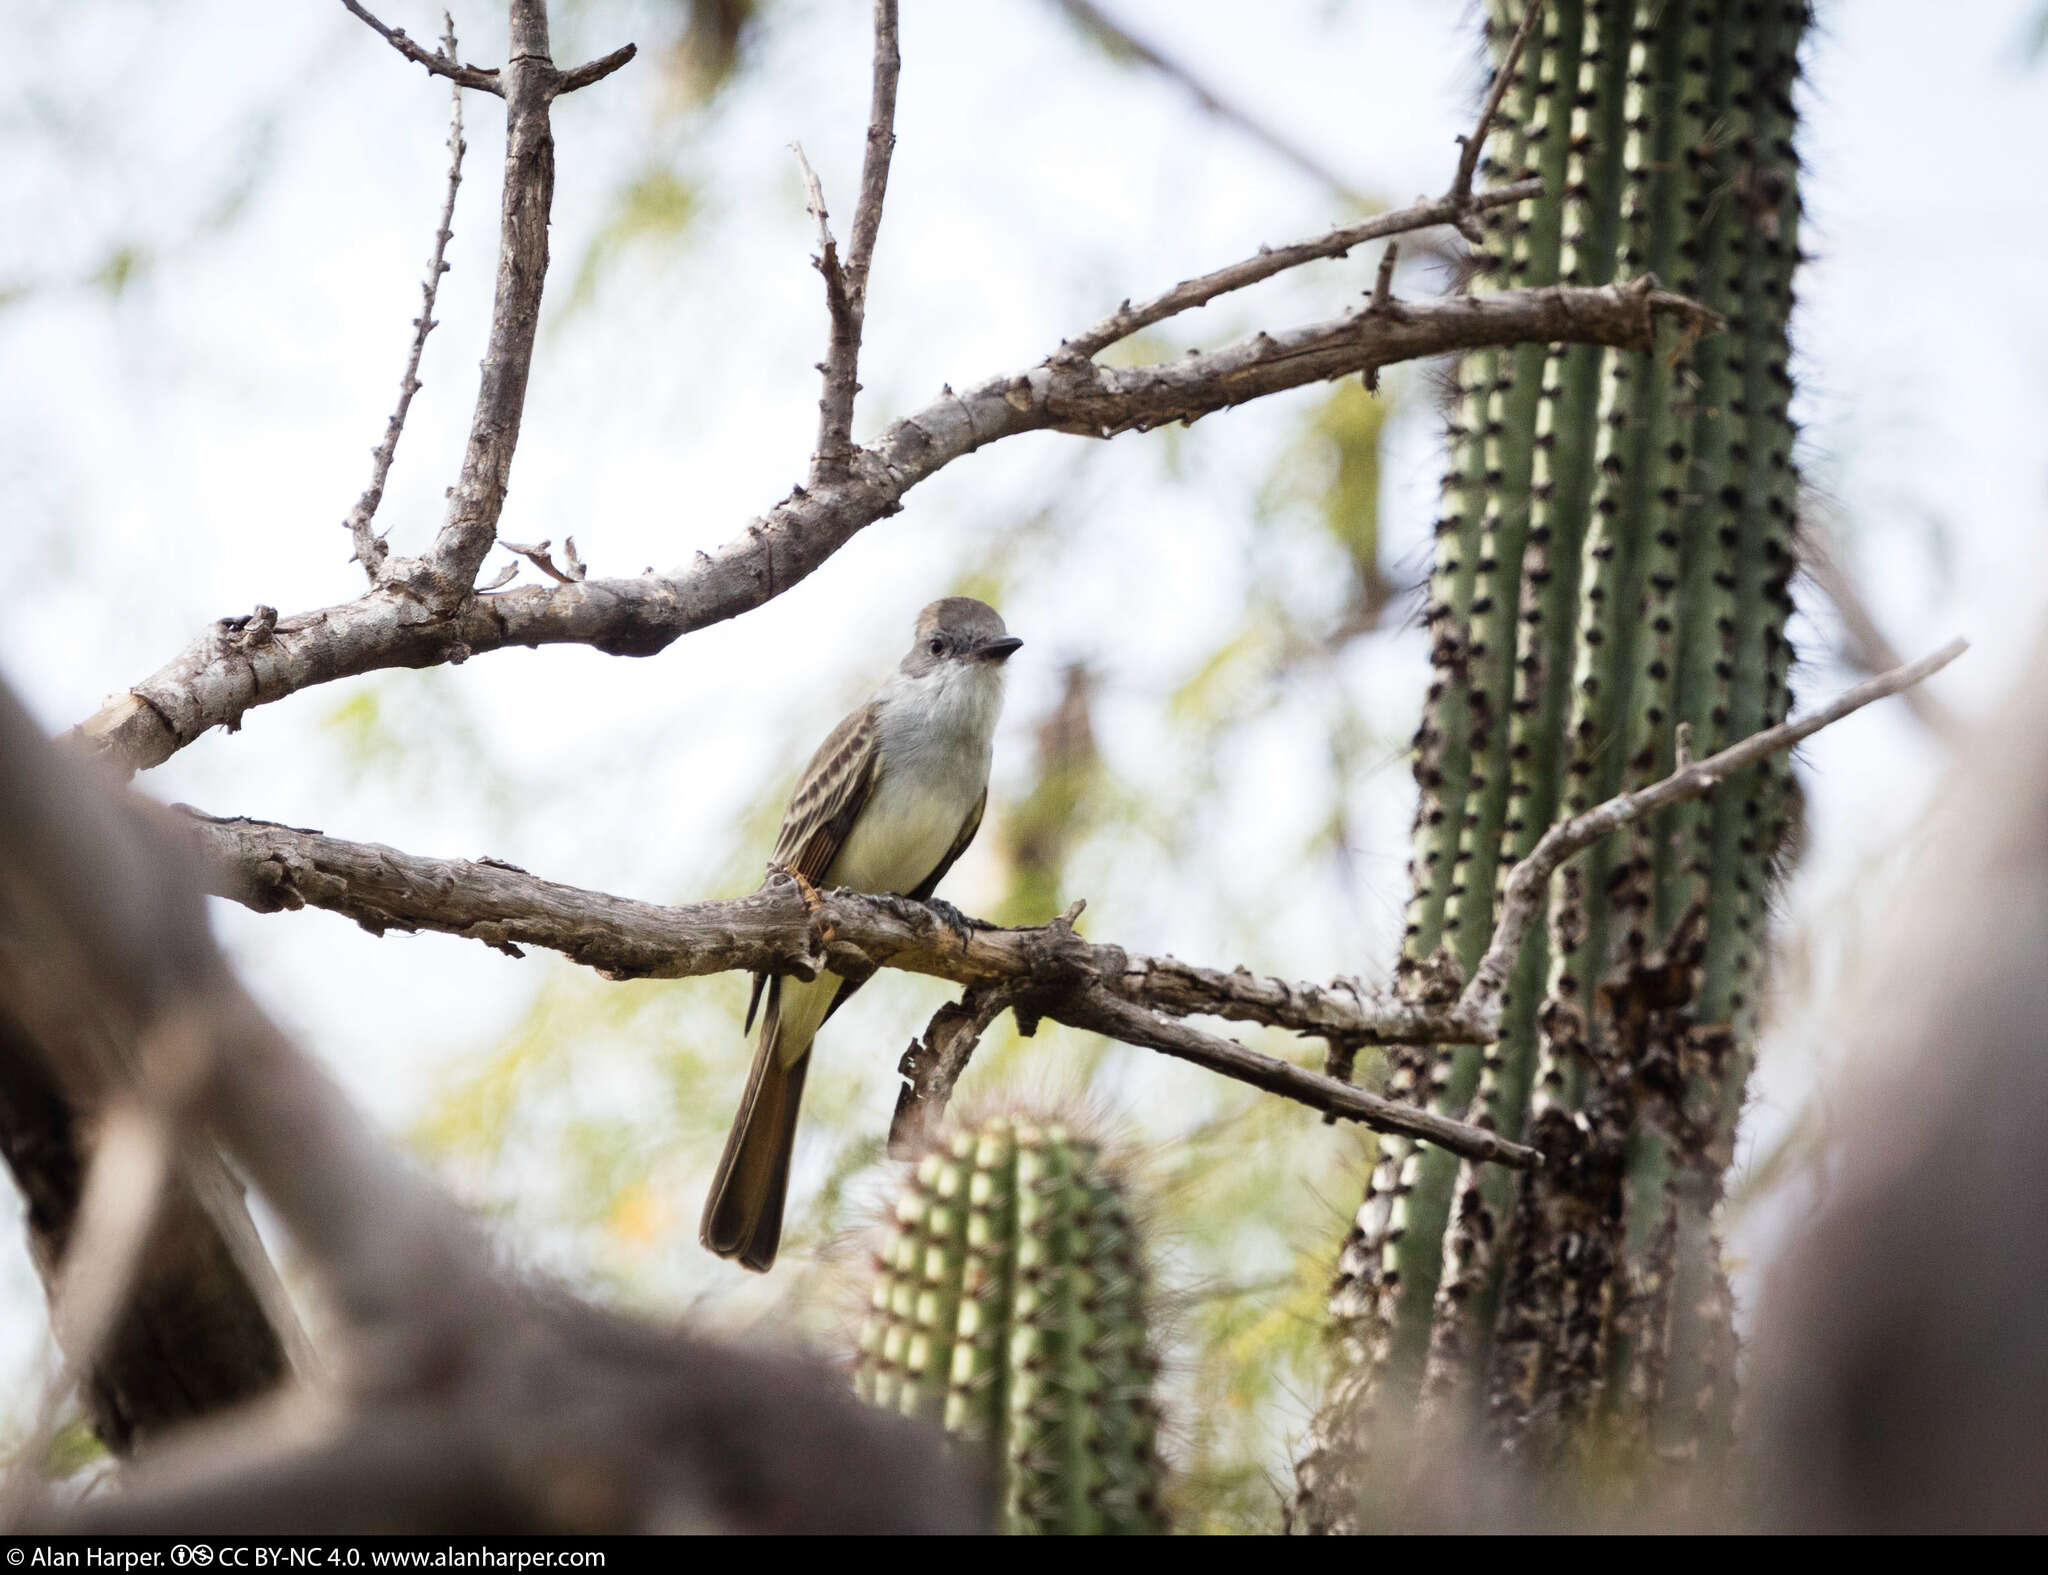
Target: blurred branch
461, 1399
1898, 1355
1092, 19
220, 676
370, 550
1865, 646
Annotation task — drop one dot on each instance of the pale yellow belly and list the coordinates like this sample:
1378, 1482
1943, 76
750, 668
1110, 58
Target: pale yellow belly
899, 838
896, 843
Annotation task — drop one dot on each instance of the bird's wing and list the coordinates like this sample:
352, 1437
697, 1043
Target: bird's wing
828, 799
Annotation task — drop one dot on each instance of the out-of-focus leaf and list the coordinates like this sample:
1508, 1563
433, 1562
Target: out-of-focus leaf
123, 263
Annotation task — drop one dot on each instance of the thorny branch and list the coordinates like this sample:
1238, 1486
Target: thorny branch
846, 288
1190, 293
1050, 971
1523, 896
485, 79
440, 63
1047, 971
1475, 145
370, 550
221, 675
529, 83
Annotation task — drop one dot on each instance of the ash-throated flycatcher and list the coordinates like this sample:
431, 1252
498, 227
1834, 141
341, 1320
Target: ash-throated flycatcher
892, 797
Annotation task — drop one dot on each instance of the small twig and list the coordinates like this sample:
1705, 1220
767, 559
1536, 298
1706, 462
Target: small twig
1475, 144
1382, 302
1270, 260
837, 297
874, 168
370, 550
1120, 1019
484, 79
1383, 282
537, 555
595, 70
846, 288
1092, 18
1523, 894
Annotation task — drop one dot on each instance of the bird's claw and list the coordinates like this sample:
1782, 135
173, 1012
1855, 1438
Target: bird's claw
955, 920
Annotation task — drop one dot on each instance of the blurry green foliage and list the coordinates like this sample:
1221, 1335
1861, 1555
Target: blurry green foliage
655, 209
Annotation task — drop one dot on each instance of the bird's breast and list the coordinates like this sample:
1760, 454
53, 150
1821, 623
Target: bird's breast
911, 818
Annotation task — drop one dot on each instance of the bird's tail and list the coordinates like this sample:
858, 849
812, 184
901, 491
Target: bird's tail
743, 1214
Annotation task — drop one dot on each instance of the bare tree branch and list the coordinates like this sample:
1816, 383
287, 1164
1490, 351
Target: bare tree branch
1523, 896
933, 1064
482, 78
221, 676
1047, 971
478, 497
370, 550
1474, 146
594, 71
846, 288
1270, 260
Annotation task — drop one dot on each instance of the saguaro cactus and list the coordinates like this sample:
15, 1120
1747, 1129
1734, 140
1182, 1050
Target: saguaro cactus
1611, 578
1010, 1305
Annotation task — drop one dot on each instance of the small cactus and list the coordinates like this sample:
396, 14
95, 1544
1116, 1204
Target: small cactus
1010, 1306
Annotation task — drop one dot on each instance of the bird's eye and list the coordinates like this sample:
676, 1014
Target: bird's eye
938, 646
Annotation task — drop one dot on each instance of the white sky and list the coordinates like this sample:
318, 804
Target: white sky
189, 449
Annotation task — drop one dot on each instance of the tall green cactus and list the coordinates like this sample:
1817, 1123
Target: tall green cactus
1010, 1305
1612, 566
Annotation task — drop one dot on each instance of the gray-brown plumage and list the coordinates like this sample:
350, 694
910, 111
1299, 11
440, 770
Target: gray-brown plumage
890, 800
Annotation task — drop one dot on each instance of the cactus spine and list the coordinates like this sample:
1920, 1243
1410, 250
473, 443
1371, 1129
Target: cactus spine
1613, 561
1010, 1306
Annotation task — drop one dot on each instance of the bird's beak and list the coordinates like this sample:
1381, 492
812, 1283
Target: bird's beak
998, 650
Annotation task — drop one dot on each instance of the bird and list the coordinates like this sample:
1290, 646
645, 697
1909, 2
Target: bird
888, 803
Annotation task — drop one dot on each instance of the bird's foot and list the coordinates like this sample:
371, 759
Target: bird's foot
955, 920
